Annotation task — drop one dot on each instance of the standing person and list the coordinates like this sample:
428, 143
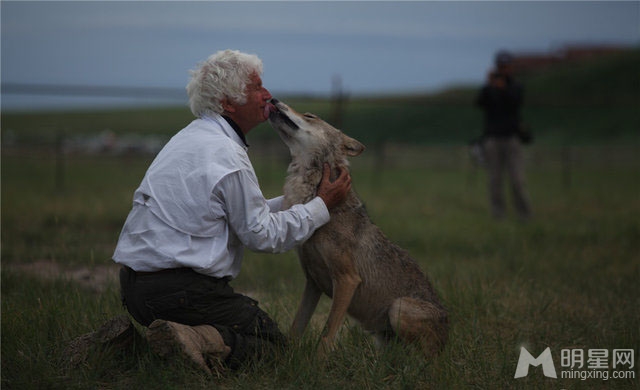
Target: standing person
501, 100
198, 205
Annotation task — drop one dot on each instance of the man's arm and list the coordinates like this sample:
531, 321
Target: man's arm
331, 192
275, 204
258, 228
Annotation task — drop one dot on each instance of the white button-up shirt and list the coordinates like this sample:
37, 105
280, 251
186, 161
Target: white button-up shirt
199, 204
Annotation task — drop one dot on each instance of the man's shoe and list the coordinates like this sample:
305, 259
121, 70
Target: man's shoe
200, 344
118, 332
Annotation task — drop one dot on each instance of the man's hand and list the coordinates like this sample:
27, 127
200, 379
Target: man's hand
334, 192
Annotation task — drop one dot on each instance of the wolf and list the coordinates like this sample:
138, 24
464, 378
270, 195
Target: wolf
350, 259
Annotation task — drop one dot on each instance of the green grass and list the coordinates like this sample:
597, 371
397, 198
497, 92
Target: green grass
567, 279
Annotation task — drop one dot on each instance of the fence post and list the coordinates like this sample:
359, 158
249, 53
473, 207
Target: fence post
379, 159
60, 161
337, 100
566, 165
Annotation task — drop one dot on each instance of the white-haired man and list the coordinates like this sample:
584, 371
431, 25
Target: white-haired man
198, 205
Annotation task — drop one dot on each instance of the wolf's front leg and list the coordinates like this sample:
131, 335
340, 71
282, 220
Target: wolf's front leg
310, 299
344, 286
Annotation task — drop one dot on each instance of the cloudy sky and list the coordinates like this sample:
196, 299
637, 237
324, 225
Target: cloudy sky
375, 47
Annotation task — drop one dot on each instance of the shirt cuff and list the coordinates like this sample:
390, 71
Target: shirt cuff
318, 211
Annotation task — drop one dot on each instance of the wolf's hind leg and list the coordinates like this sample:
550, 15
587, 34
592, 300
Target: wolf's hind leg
421, 322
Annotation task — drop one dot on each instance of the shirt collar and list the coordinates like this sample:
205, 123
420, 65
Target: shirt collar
229, 130
237, 129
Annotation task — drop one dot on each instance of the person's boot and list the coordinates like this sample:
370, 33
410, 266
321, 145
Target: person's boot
202, 344
118, 332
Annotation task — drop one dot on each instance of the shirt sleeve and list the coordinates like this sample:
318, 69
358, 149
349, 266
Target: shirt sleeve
251, 218
275, 204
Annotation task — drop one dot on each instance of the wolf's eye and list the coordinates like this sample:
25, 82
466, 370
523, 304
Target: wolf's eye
310, 116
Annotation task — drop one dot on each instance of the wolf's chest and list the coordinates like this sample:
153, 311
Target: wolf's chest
315, 263
300, 188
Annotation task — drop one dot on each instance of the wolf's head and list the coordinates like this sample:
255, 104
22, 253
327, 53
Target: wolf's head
309, 137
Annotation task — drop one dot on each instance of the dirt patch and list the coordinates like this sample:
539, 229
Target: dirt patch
96, 278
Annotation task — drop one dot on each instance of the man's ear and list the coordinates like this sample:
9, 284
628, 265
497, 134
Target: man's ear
227, 106
352, 147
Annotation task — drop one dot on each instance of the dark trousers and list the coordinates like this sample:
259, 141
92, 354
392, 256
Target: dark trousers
184, 296
506, 155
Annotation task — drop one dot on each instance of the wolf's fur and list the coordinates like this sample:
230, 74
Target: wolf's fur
350, 259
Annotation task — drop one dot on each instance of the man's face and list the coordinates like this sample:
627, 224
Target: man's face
505, 69
255, 110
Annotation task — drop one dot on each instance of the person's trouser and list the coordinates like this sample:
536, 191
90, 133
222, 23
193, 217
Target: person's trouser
505, 155
184, 296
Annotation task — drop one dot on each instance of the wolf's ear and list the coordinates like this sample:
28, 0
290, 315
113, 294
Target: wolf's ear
352, 147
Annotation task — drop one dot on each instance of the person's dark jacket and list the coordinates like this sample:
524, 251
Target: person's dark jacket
502, 109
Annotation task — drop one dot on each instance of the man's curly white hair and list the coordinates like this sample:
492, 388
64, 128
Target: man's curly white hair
224, 74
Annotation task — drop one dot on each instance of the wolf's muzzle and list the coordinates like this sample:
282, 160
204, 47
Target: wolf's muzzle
278, 115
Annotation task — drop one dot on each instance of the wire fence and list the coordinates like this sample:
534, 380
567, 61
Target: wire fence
61, 148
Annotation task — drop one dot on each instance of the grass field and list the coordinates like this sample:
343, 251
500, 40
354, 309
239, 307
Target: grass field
566, 280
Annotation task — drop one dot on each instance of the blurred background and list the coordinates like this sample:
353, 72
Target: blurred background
108, 78
59, 54
432, 56
92, 90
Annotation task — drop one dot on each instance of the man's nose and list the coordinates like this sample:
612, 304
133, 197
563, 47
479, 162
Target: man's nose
266, 94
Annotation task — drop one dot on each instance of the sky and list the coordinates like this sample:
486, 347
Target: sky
375, 47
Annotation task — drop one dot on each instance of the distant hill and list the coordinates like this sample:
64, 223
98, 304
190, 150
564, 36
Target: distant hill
591, 101
610, 80
586, 101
